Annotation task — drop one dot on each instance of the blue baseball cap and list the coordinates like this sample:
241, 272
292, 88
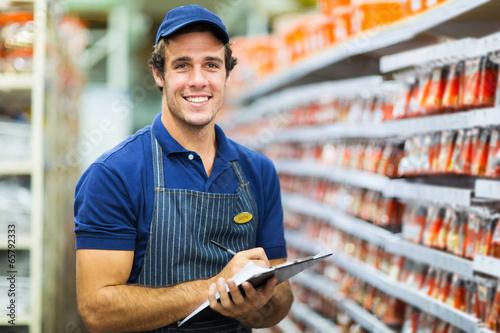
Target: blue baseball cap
182, 16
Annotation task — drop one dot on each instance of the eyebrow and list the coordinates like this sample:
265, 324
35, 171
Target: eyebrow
189, 59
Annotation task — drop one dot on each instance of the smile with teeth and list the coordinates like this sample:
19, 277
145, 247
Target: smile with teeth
197, 99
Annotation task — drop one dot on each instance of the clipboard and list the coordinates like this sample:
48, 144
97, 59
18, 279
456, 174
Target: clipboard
258, 276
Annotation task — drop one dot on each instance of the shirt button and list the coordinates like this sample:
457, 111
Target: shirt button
190, 156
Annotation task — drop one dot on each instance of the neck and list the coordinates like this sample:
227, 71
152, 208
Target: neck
201, 140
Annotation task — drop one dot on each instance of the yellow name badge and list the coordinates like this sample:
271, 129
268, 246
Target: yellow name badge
242, 217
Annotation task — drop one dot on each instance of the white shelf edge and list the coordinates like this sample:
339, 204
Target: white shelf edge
312, 319
399, 290
378, 236
363, 42
393, 128
394, 188
359, 314
16, 81
15, 167
487, 265
286, 325
358, 178
20, 321
487, 188
436, 194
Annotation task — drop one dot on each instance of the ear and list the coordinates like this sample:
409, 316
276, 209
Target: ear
158, 78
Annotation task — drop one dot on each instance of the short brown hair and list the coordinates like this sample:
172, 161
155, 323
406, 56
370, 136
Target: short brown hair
157, 59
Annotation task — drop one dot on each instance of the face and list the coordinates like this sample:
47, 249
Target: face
194, 80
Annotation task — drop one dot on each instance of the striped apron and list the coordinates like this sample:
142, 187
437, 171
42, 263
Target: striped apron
183, 223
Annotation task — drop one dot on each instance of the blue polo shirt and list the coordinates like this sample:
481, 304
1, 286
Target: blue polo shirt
114, 197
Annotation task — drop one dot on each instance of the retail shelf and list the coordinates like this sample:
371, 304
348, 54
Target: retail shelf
19, 167
364, 42
321, 285
313, 320
338, 219
431, 193
358, 178
487, 265
400, 290
432, 257
395, 188
15, 81
376, 235
447, 52
488, 189
288, 326
394, 128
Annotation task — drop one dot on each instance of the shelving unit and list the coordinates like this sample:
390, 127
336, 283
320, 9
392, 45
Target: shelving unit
46, 242
391, 287
308, 81
312, 319
328, 62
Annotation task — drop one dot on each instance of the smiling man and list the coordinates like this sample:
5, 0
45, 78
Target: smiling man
147, 210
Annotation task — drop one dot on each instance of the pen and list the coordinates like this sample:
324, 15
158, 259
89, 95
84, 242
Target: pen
231, 252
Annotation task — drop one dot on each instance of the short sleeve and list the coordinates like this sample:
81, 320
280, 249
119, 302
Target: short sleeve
271, 231
103, 211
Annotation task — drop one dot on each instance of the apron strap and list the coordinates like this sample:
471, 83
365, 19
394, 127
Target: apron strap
242, 180
157, 162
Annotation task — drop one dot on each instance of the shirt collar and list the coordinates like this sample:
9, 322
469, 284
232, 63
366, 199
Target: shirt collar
225, 149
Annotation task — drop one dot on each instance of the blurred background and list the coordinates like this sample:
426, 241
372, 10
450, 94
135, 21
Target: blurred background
381, 116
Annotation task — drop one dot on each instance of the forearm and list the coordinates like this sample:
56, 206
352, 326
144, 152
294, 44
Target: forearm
274, 310
134, 308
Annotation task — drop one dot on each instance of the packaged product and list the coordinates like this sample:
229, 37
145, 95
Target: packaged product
440, 241
433, 225
430, 281
472, 234
493, 161
455, 242
471, 81
394, 315
414, 223
445, 151
442, 327
456, 297
471, 297
434, 149
457, 149
411, 319
486, 293
437, 83
489, 80
452, 94
485, 241
493, 317
480, 153
495, 240
444, 286
465, 157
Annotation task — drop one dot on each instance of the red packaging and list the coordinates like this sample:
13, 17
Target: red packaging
413, 229
493, 160
445, 286
471, 82
480, 157
445, 151
489, 80
434, 222
430, 281
471, 298
434, 150
437, 83
484, 245
465, 157
472, 236
486, 293
457, 149
492, 321
456, 297
452, 94
440, 242
495, 240
455, 242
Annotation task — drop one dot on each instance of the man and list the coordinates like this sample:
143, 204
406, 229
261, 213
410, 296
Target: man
146, 211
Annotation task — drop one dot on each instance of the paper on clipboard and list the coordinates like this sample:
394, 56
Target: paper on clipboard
257, 276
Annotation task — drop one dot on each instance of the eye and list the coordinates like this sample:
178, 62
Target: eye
212, 65
180, 66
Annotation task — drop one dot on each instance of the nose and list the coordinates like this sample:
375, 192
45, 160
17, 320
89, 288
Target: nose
197, 78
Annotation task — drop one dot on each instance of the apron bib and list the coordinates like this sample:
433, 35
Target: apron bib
183, 223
